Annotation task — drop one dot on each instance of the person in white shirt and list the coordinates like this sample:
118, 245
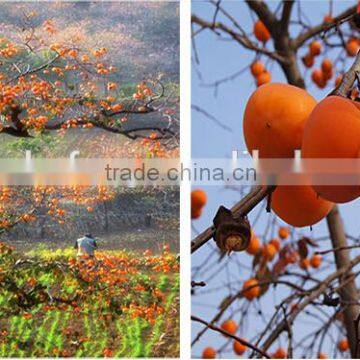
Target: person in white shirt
86, 246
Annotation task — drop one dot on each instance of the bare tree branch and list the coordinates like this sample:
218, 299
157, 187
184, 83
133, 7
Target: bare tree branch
286, 14
241, 39
316, 30
242, 341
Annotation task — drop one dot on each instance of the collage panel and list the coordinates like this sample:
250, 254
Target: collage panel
101, 185
89, 245
275, 245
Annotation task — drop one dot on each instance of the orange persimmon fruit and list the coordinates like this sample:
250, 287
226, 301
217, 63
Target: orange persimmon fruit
251, 289
230, 326
198, 201
261, 32
263, 78
315, 261
315, 48
257, 67
299, 205
239, 348
254, 245
274, 119
209, 353
343, 345
333, 132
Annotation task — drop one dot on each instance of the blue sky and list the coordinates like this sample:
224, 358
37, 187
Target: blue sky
218, 59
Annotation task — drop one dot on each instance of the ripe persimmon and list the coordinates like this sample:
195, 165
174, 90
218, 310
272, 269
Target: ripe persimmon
322, 355
328, 75
239, 348
263, 78
333, 132
209, 353
299, 205
318, 78
304, 263
283, 232
268, 252
276, 243
352, 47
308, 60
196, 213
280, 353
257, 67
254, 245
251, 289
261, 32
274, 119
326, 66
343, 345
198, 201
230, 326
291, 258
316, 261
328, 18
315, 48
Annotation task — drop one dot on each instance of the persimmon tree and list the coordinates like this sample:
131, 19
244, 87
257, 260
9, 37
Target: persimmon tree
26, 203
51, 82
281, 257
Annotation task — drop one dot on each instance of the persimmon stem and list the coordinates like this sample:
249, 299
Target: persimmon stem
242, 208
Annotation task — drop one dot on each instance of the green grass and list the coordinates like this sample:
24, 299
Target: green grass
49, 308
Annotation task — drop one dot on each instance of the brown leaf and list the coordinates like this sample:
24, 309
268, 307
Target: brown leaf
302, 248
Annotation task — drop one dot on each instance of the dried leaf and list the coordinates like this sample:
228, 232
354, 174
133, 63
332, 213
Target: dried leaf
302, 248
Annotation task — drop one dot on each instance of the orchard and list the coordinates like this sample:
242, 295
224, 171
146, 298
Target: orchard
292, 289
103, 80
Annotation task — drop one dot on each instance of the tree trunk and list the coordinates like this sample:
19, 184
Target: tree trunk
348, 294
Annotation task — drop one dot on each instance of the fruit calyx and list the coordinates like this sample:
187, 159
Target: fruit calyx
231, 233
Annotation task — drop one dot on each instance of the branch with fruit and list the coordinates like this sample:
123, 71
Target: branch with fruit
299, 206
49, 83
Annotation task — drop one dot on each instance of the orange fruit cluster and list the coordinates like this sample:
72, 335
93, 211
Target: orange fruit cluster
198, 201
321, 76
260, 73
314, 50
281, 118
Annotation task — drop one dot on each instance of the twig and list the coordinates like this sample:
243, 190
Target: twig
337, 249
215, 328
210, 117
315, 293
316, 30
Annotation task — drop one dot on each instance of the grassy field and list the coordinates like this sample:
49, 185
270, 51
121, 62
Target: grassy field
121, 304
